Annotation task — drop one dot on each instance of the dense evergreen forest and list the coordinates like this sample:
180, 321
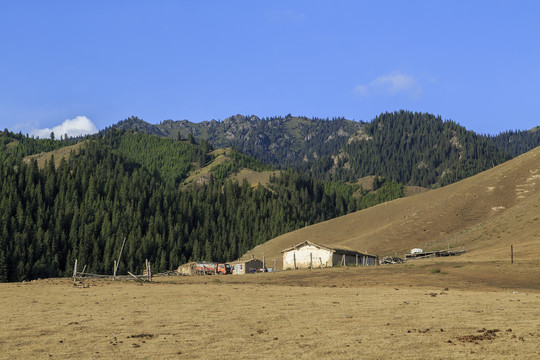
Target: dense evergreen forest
114, 187
282, 142
409, 147
516, 142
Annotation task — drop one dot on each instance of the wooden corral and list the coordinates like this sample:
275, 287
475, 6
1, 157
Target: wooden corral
438, 253
309, 255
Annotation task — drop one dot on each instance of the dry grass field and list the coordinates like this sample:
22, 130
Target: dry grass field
406, 311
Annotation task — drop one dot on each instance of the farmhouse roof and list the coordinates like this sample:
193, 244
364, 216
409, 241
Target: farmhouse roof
243, 261
337, 249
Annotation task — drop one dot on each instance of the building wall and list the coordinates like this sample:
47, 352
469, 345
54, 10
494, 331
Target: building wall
246, 267
365, 260
303, 257
238, 269
370, 260
253, 264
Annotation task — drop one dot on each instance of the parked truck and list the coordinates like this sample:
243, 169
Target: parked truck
223, 269
212, 268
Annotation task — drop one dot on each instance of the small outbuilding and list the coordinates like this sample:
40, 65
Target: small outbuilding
308, 255
241, 267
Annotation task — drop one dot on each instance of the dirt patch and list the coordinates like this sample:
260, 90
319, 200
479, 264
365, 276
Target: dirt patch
141, 336
485, 335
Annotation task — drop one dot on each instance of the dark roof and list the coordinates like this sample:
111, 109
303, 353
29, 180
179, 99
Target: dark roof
243, 261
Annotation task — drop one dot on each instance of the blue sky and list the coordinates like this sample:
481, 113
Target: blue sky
95, 63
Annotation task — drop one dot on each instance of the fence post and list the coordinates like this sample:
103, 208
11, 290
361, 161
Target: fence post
512, 253
119, 256
75, 271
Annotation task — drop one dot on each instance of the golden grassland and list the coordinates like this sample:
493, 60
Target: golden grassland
254, 178
62, 153
486, 213
406, 311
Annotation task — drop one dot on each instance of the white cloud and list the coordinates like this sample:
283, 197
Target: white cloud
81, 125
391, 84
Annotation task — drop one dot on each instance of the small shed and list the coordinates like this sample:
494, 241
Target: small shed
241, 267
308, 255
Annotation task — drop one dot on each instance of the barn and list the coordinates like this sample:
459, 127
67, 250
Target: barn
241, 267
308, 255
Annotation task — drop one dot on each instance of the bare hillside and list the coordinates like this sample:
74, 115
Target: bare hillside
485, 214
254, 178
62, 153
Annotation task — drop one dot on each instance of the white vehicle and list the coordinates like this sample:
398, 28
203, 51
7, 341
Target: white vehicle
417, 251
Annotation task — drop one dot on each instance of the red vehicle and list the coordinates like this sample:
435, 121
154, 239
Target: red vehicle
212, 268
223, 269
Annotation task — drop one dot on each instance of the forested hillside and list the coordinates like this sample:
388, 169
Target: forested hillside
15, 147
412, 148
279, 141
516, 142
85, 207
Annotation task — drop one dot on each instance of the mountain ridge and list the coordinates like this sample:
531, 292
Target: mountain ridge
417, 149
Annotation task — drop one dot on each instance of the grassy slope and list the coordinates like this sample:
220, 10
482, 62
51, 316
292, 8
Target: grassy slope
58, 155
254, 178
222, 155
485, 214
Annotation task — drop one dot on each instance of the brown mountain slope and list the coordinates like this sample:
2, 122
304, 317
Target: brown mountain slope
62, 153
485, 214
254, 178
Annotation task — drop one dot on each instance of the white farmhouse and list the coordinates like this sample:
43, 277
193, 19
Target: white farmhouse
308, 255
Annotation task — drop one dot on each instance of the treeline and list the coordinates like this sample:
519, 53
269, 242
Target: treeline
411, 148
168, 160
284, 142
84, 208
516, 142
15, 147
